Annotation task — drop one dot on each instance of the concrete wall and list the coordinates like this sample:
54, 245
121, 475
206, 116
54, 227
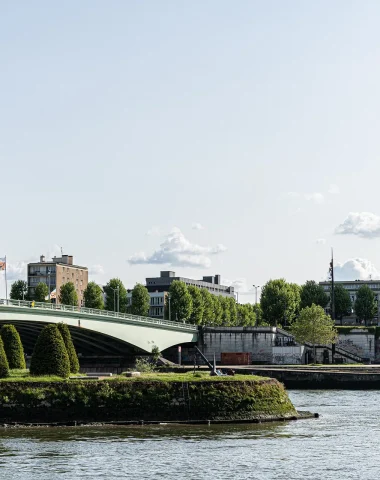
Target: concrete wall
288, 355
360, 342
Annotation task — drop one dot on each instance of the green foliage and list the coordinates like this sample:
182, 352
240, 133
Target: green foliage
311, 293
260, 322
246, 315
4, 366
279, 302
93, 296
50, 356
342, 301
140, 300
231, 305
208, 307
112, 295
144, 366
218, 311
196, 317
68, 294
181, 303
226, 312
73, 358
13, 346
156, 354
19, 290
365, 304
314, 326
41, 292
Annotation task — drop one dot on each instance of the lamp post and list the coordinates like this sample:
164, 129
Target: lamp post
48, 275
169, 305
256, 287
116, 307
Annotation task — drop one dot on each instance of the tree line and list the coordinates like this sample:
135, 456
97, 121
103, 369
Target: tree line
281, 302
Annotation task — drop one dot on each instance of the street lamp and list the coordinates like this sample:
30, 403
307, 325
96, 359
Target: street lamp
114, 298
256, 287
169, 305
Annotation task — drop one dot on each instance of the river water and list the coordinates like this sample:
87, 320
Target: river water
343, 443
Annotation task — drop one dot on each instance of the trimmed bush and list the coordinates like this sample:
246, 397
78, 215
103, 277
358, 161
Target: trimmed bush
50, 356
13, 346
4, 367
66, 335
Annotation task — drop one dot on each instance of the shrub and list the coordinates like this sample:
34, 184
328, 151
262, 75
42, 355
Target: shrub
50, 356
4, 367
66, 335
13, 346
143, 366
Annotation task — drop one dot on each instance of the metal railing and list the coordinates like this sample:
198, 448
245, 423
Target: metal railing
92, 311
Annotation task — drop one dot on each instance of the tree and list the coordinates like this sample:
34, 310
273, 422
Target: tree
226, 311
181, 303
365, 304
311, 293
41, 292
218, 310
208, 307
246, 315
342, 301
93, 296
231, 302
19, 290
73, 358
196, 317
259, 315
4, 366
314, 326
13, 346
156, 354
279, 302
50, 356
116, 294
68, 294
140, 300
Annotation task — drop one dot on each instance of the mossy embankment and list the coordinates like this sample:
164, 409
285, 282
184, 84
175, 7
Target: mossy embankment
167, 397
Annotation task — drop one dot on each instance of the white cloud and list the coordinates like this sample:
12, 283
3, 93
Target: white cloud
177, 250
154, 232
356, 269
16, 271
315, 197
293, 194
96, 270
334, 189
362, 224
320, 241
197, 226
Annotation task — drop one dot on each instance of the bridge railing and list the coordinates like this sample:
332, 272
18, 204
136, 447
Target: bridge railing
92, 311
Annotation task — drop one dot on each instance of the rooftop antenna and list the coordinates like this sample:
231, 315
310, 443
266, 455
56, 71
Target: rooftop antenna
61, 251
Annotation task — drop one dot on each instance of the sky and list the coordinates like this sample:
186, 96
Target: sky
204, 137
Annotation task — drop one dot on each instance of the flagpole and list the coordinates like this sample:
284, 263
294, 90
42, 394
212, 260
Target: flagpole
6, 285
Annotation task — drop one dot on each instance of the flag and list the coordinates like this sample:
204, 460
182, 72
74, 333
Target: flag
3, 263
52, 295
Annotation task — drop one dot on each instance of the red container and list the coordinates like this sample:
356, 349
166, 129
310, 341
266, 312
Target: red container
235, 358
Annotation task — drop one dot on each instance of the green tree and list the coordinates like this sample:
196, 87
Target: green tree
19, 290
314, 326
246, 315
218, 310
208, 307
311, 293
196, 317
226, 311
156, 354
365, 304
68, 294
260, 322
13, 346
279, 302
114, 289
181, 303
342, 301
41, 292
73, 358
93, 296
50, 356
140, 300
231, 302
4, 366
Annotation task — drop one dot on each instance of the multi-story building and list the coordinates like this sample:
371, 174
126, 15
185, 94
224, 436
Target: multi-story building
353, 286
211, 283
56, 273
158, 288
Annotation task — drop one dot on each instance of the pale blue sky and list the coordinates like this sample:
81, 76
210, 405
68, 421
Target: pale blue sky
119, 118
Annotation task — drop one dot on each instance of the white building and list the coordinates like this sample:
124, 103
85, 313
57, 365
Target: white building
157, 304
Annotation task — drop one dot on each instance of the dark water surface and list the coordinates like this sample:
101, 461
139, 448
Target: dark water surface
344, 443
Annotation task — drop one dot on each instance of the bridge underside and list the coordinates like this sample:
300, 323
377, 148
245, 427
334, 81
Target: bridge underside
87, 342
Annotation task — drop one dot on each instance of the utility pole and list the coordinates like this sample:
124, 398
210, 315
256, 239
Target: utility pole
332, 286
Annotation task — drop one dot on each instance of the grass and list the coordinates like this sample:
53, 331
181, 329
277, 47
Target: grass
24, 376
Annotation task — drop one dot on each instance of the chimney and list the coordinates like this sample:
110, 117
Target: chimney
42, 258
